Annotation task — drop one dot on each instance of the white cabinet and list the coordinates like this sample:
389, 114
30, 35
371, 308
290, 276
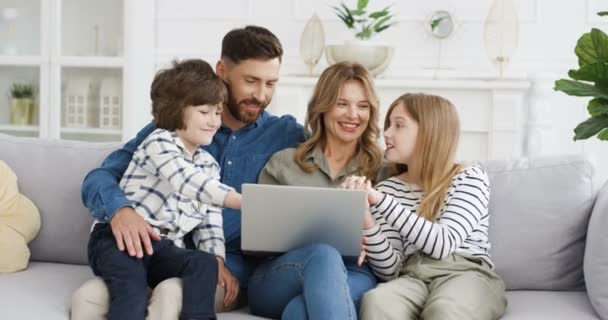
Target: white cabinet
493, 113
73, 54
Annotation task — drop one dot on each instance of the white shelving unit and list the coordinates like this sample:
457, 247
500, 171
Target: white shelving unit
70, 41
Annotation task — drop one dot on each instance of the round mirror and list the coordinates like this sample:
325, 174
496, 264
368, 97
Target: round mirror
441, 24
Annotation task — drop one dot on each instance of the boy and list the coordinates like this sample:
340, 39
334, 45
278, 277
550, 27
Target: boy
174, 186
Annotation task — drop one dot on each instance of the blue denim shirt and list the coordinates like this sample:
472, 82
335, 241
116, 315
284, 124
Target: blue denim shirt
241, 154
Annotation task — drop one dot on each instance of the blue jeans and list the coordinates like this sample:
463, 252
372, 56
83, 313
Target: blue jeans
312, 282
128, 277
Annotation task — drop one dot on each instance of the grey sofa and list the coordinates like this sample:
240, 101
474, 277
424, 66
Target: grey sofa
544, 244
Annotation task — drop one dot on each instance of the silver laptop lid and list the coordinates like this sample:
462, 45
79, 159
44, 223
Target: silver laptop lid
276, 219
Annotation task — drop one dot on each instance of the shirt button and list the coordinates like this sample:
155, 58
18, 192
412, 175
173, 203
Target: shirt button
229, 163
233, 137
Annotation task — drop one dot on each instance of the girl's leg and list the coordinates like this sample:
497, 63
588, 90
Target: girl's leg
402, 299
465, 295
316, 272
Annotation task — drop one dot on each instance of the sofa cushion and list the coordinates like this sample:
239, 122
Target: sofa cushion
50, 174
539, 211
596, 254
43, 291
19, 222
548, 305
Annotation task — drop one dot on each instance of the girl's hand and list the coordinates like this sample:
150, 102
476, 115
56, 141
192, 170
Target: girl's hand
362, 255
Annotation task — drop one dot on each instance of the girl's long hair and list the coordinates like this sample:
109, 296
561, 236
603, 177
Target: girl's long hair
433, 161
324, 99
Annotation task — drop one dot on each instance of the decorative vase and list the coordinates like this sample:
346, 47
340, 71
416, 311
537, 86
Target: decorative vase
22, 110
501, 33
312, 42
374, 57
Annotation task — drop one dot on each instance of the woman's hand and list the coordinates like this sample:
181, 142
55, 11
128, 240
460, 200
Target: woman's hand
361, 183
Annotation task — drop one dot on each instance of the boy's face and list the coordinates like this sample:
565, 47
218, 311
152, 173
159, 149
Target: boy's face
251, 84
201, 123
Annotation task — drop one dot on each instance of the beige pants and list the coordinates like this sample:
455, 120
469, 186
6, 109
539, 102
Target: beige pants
92, 301
456, 287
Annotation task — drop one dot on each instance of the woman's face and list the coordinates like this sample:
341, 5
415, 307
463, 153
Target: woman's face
348, 119
400, 136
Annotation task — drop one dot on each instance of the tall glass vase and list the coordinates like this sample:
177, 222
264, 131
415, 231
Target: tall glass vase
501, 33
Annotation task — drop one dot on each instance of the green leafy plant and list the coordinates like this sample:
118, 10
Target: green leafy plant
590, 80
364, 24
22, 90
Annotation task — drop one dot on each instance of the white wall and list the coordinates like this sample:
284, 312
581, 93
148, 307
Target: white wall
548, 33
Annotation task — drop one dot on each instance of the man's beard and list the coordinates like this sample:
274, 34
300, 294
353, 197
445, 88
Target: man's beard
245, 116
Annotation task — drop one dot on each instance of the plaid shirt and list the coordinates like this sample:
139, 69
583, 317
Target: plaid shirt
176, 192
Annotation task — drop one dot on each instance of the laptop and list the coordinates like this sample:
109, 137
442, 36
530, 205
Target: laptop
276, 219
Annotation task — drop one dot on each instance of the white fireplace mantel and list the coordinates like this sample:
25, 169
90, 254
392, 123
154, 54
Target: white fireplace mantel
493, 113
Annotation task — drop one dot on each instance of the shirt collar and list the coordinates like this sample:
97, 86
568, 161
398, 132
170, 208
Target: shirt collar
318, 158
182, 147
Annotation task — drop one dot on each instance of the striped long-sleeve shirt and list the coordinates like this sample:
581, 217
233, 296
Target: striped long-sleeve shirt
176, 192
399, 232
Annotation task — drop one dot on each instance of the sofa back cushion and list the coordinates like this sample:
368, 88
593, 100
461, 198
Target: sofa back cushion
50, 173
596, 255
539, 212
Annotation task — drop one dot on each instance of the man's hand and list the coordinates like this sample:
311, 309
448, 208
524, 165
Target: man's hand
227, 281
131, 231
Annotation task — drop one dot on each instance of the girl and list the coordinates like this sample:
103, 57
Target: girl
427, 234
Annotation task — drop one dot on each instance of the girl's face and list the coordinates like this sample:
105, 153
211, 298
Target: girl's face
400, 136
348, 119
201, 124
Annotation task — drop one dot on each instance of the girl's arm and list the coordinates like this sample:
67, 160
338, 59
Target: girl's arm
460, 216
384, 249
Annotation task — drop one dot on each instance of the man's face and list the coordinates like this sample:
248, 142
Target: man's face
251, 84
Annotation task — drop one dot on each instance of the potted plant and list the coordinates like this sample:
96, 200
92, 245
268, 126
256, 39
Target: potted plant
22, 103
365, 24
590, 80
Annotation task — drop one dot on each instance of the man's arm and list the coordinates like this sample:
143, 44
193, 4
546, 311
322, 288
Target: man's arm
101, 192
102, 195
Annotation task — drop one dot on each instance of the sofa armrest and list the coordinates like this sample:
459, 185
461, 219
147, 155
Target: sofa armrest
596, 254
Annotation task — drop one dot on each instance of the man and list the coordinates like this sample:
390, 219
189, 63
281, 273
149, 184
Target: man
249, 65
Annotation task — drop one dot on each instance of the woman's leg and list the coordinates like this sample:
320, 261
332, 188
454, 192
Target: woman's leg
360, 280
316, 272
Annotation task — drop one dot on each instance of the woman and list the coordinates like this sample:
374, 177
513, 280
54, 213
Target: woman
315, 282
428, 229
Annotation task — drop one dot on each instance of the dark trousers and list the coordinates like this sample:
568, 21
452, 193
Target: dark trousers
128, 277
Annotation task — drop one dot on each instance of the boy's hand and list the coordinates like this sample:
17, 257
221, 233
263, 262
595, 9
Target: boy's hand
131, 231
233, 200
227, 281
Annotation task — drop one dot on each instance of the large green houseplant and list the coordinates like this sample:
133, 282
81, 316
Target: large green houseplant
366, 24
590, 80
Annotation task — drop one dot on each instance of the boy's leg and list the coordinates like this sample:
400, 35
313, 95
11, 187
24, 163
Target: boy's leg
125, 276
401, 299
198, 271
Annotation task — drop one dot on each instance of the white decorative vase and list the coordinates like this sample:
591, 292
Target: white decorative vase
312, 42
375, 57
501, 33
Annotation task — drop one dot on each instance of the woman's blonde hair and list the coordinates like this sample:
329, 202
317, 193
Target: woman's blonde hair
433, 160
324, 99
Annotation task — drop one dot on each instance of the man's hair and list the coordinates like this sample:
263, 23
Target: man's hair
251, 42
186, 83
